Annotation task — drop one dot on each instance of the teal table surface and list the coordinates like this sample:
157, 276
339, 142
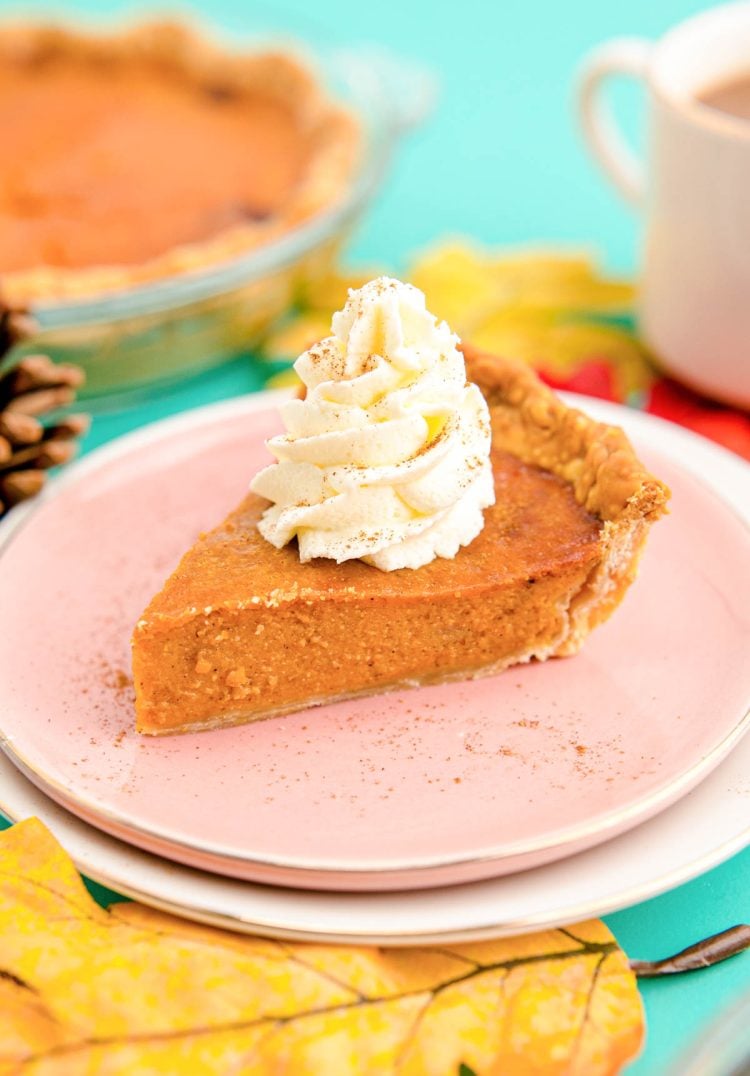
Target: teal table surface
500, 160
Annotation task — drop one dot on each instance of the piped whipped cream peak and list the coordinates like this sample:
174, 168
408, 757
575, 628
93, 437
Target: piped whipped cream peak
386, 459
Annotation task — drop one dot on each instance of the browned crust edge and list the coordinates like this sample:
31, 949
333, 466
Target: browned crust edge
597, 460
333, 133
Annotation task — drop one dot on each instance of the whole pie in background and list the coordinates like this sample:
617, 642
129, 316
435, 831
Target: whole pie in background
129, 157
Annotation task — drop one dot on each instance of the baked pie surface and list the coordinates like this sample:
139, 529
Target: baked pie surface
132, 156
242, 630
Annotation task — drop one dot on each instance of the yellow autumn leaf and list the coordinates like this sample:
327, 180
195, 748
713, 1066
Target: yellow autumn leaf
317, 301
296, 335
284, 379
560, 347
465, 284
133, 990
458, 284
547, 307
328, 292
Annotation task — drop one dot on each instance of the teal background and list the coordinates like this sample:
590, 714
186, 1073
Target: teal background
501, 160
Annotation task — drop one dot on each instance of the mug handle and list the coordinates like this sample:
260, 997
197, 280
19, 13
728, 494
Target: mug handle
623, 56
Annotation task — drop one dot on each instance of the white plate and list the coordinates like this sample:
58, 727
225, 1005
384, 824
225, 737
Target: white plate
706, 827
402, 791
701, 830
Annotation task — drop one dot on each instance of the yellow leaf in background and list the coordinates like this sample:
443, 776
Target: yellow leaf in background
560, 348
133, 990
573, 343
295, 336
457, 283
318, 300
284, 379
329, 292
516, 333
546, 307
542, 263
559, 278
464, 284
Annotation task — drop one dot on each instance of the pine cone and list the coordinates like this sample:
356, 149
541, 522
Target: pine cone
32, 387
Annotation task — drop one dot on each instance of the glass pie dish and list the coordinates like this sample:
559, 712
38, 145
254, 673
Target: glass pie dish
129, 339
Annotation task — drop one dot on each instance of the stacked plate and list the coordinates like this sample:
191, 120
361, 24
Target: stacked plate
553, 792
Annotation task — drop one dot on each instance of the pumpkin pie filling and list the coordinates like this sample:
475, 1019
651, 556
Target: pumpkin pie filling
103, 166
244, 629
151, 152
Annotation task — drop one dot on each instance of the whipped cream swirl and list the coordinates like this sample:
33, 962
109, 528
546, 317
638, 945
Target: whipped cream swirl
387, 457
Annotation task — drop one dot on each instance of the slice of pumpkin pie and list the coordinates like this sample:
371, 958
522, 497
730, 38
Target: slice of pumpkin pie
434, 514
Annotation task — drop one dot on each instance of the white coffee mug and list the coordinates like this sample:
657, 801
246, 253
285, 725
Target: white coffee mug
694, 191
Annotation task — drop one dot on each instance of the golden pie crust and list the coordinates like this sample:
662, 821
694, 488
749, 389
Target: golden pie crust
598, 463
157, 59
243, 631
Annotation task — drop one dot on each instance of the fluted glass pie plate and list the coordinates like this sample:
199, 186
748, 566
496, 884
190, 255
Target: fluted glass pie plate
412, 789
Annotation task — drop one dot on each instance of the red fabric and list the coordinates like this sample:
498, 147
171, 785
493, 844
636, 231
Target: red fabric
727, 426
668, 399
593, 378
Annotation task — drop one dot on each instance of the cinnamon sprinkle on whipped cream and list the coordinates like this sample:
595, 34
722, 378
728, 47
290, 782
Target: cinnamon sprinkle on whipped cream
386, 459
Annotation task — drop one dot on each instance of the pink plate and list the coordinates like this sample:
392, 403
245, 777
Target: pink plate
420, 788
